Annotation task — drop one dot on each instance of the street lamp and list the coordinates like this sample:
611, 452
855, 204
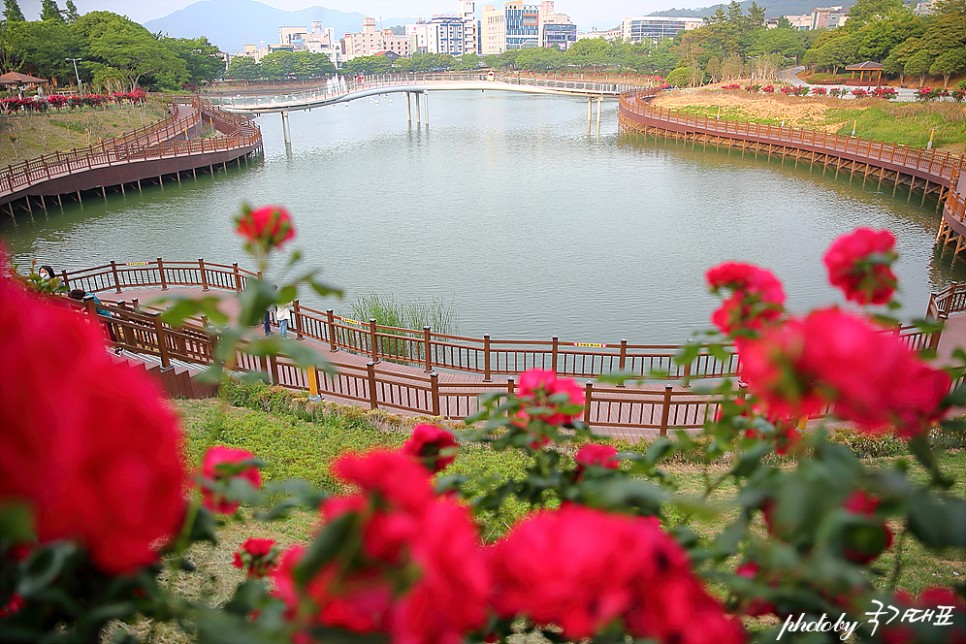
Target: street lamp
80, 88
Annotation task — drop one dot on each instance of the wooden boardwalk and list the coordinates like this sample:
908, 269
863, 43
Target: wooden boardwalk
631, 413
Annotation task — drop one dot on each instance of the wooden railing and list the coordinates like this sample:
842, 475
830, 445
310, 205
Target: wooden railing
428, 350
941, 168
952, 299
152, 143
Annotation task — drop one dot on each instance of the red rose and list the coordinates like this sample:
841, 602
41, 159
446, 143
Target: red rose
210, 469
266, 228
860, 264
873, 379
594, 455
432, 446
756, 607
97, 458
536, 389
756, 301
863, 504
256, 557
605, 568
419, 575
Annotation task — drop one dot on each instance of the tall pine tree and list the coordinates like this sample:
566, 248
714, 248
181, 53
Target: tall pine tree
50, 11
72, 14
12, 12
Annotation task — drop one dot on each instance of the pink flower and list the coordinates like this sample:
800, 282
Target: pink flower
256, 557
594, 455
582, 569
98, 458
756, 301
536, 389
265, 228
860, 264
432, 446
221, 463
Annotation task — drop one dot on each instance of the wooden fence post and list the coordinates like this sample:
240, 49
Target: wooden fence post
553, 354
936, 336
273, 365
330, 323
371, 372
487, 373
373, 340
588, 394
297, 319
622, 364
162, 341
510, 386
434, 388
264, 367
204, 276
164, 282
427, 349
666, 411
237, 274
117, 278
64, 280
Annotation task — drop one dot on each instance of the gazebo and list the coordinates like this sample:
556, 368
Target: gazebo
16, 78
874, 70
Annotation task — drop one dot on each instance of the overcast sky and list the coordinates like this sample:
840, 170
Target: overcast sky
582, 12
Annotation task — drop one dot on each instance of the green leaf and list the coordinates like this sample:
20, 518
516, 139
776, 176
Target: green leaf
16, 523
750, 460
324, 290
248, 596
325, 547
938, 521
45, 565
254, 301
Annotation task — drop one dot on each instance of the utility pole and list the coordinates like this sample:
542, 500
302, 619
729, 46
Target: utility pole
80, 88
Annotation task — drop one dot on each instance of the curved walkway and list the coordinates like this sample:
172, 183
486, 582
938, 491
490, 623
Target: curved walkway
420, 372
928, 170
163, 149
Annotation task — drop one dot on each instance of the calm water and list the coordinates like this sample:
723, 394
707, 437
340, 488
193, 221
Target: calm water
510, 209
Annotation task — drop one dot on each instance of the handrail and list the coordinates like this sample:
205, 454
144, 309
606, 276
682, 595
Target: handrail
339, 88
429, 350
239, 133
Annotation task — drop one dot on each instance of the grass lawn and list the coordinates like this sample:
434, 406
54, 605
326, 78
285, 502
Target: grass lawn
302, 448
905, 123
27, 136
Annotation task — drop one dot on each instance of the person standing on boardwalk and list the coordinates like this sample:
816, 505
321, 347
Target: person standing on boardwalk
267, 320
283, 313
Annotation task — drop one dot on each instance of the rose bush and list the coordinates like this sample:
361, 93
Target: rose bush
94, 497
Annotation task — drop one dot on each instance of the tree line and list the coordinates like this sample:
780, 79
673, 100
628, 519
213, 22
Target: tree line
113, 51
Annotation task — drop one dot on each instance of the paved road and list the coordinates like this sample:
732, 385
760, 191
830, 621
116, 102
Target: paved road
789, 76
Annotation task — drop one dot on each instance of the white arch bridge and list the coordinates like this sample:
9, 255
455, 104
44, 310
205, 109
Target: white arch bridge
343, 90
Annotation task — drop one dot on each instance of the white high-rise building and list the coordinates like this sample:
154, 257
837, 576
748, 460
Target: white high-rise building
493, 30
470, 37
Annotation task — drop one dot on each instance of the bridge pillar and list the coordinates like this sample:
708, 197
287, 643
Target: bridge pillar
426, 94
600, 104
286, 132
419, 120
409, 108
590, 110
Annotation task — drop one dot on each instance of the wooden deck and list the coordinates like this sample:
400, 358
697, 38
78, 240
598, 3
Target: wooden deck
631, 413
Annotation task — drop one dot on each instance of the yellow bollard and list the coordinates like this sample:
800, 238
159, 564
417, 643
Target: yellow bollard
313, 383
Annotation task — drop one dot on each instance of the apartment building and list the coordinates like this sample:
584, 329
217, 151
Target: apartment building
492, 30
522, 24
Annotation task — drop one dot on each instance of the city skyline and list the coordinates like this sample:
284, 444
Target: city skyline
582, 12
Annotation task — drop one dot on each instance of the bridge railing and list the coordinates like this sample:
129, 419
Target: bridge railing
951, 299
429, 350
342, 87
942, 167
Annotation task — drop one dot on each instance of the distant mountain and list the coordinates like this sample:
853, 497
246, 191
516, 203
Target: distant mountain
229, 24
773, 8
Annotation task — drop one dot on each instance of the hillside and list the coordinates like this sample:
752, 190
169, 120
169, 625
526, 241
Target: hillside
773, 8
229, 24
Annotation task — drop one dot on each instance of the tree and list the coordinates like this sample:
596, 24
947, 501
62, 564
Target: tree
866, 11
202, 59
877, 38
12, 12
50, 11
895, 62
918, 65
39, 47
131, 50
786, 42
243, 68
833, 50
949, 63
680, 77
71, 12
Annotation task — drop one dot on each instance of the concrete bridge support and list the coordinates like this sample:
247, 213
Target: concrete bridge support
286, 132
426, 94
409, 108
419, 120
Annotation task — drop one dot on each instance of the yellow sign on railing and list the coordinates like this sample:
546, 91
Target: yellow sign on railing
595, 345
349, 321
136, 264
